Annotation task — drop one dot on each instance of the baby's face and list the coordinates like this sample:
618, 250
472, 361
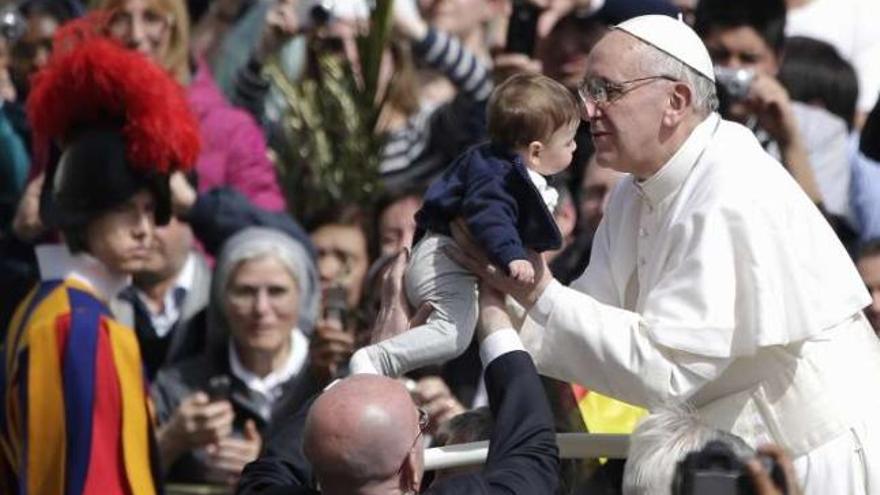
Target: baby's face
556, 153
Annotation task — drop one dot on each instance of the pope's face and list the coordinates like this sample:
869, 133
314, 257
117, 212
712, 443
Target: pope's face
626, 129
122, 238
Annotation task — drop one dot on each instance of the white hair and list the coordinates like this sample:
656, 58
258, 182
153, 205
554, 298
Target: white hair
662, 440
654, 61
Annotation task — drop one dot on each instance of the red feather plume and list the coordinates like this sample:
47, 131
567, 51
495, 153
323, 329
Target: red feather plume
91, 80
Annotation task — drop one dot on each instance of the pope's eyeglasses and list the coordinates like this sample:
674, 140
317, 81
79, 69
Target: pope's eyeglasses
600, 90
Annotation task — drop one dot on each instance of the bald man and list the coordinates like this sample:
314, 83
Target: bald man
364, 435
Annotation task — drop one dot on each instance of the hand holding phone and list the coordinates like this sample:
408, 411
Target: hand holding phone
219, 388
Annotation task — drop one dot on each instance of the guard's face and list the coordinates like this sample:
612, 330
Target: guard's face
262, 305
122, 238
626, 127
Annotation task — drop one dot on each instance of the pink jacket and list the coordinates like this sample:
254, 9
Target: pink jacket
233, 145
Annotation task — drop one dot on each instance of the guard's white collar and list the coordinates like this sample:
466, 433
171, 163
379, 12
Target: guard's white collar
56, 263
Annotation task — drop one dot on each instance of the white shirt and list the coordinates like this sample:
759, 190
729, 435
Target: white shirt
56, 262
548, 193
716, 260
164, 320
271, 386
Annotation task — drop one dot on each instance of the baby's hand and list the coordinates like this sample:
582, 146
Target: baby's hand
522, 271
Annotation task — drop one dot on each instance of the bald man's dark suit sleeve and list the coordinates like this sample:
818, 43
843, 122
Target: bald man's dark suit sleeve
523, 457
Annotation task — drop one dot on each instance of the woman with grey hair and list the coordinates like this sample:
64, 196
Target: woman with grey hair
213, 408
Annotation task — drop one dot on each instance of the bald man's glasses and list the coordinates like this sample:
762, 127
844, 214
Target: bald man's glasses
424, 420
600, 90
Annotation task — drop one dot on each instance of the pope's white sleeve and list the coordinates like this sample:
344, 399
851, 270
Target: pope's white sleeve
572, 337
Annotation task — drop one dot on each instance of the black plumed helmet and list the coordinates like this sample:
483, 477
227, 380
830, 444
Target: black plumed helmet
121, 122
93, 176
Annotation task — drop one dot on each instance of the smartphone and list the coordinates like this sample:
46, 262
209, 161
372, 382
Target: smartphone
522, 30
336, 304
219, 388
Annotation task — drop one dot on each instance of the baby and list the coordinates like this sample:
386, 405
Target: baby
499, 190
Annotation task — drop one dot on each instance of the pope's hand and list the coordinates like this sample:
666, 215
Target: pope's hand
471, 256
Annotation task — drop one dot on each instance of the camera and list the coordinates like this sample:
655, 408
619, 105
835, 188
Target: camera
219, 388
336, 304
323, 12
12, 23
735, 83
716, 470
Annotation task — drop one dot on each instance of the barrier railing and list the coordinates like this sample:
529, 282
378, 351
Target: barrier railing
571, 446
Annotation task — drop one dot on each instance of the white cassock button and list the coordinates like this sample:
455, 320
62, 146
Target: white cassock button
643, 232
642, 261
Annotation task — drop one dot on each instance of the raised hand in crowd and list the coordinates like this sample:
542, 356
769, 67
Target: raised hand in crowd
330, 348
283, 22
7, 89
183, 194
228, 456
554, 10
433, 395
407, 21
197, 423
506, 64
769, 102
394, 314
27, 224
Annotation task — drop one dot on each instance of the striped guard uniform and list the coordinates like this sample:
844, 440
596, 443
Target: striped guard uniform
74, 417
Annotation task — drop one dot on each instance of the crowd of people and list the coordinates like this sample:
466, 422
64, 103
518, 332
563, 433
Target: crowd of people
671, 206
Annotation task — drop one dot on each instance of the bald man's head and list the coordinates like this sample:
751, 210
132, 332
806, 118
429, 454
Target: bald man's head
361, 432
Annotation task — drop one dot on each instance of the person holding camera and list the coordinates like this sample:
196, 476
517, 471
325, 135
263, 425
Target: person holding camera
672, 452
713, 279
746, 42
212, 408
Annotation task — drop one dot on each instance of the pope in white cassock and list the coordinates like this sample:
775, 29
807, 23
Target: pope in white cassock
713, 278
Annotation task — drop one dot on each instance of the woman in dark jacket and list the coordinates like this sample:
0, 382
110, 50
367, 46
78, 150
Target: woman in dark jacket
213, 408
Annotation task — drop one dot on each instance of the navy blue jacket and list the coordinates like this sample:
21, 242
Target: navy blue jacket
490, 188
